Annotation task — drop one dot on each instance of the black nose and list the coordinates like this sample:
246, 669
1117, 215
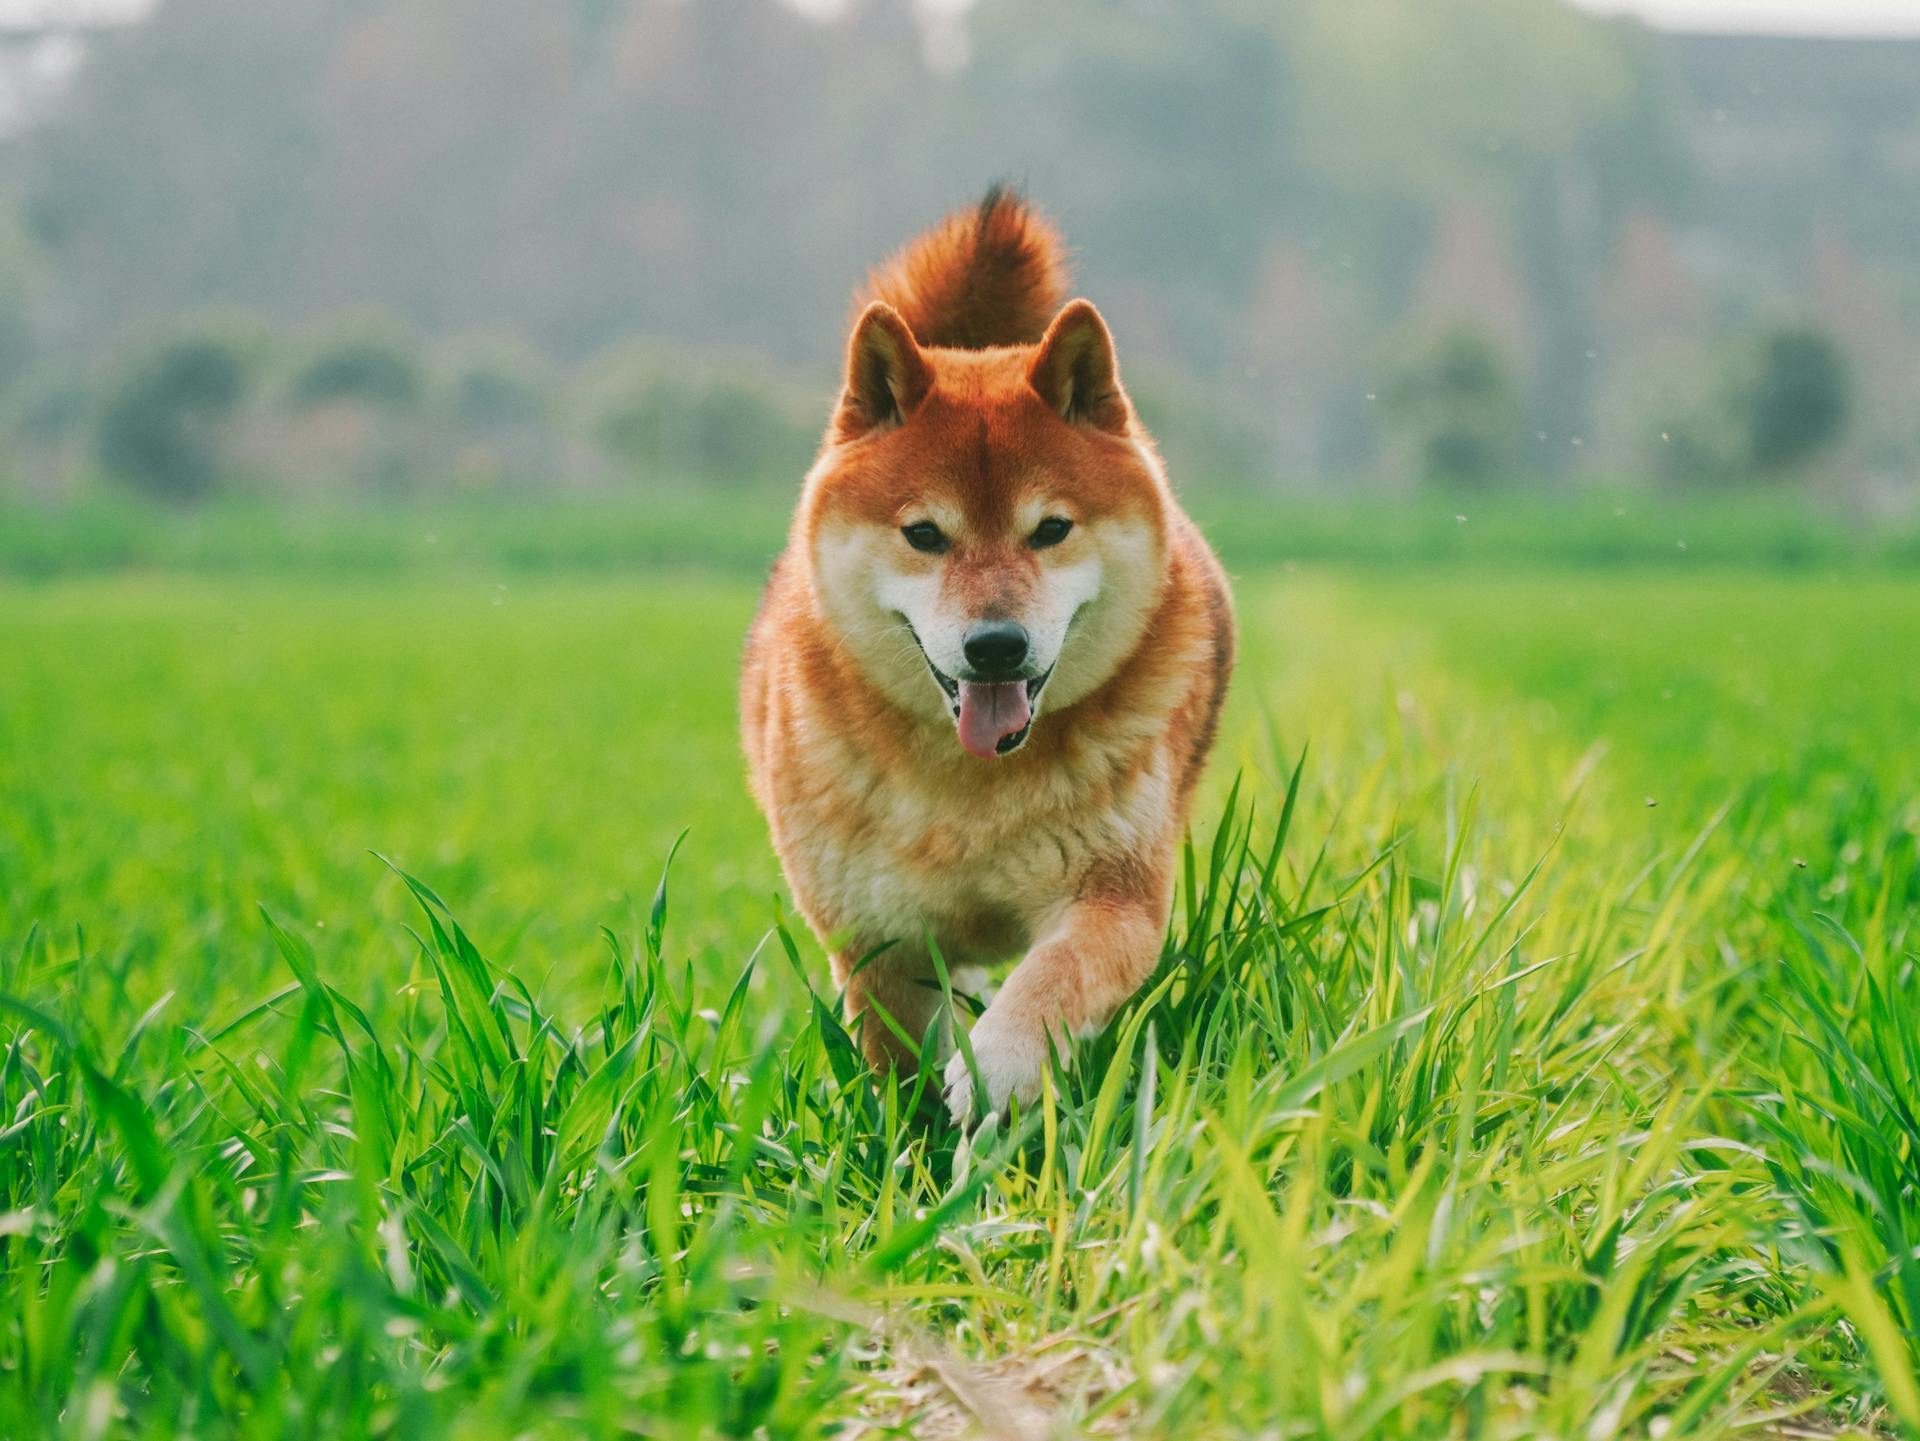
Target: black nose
996, 647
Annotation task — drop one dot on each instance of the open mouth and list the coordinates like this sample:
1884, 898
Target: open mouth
994, 718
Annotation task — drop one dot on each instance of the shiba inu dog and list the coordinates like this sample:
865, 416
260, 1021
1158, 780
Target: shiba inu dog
989, 664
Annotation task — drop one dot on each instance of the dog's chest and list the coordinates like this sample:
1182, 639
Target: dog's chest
983, 866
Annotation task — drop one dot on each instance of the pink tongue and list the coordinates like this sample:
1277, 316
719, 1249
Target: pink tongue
991, 713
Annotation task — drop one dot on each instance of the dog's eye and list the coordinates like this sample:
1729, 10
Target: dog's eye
924, 535
1050, 531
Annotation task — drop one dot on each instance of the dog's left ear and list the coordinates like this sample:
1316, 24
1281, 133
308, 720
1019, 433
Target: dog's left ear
1075, 372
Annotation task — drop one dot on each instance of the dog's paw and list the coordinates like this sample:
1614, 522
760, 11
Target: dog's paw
959, 1090
1011, 1059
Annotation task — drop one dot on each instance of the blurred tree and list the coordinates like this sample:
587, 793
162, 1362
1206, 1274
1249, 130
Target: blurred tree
1747, 408
1450, 401
1797, 399
169, 411
1441, 98
366, 359
1681, 423
184, 168
496, 400
1160, 131
1543, 114
659, 418
716, 175
353, 409
495, 383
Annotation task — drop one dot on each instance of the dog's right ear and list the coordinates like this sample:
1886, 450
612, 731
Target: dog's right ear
887, 376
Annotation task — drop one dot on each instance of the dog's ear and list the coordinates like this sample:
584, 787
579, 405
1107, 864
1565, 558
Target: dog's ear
887, 376
1075, 372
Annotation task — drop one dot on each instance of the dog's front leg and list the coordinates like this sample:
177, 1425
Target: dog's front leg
901, 980
1070, 984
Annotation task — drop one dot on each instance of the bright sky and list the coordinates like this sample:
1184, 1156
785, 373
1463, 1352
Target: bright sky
29, 13
1782, 17
1774, 17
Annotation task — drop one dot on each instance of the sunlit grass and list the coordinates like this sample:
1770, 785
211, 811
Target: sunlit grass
1474, 1095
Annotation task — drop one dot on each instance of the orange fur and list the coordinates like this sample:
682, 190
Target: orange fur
992, 275
888, 830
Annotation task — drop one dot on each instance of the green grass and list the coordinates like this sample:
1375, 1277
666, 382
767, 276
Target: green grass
740, 527
1536, 1057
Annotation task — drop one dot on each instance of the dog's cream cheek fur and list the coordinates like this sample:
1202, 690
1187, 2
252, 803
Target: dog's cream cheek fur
1105, 604
863, 604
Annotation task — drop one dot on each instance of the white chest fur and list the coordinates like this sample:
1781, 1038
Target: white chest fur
984, 868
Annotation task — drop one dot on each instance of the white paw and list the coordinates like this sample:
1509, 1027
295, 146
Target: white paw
959, 1090
1011, 1059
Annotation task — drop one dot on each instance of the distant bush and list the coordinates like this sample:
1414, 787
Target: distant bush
495, 408
1751, 407
494, 384
672, 416
1796, 397
168, 413
1450, 401
365, 405
363, 360
353, 410
1672, 415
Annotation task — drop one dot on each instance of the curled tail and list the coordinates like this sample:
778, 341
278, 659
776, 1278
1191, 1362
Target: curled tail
991, 275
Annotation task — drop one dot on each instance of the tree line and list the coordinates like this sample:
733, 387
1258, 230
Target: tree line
1336, 237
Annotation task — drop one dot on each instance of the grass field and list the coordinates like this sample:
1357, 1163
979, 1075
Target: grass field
1536, 1052
738, 529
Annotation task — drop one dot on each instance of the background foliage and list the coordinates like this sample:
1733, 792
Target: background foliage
665, 206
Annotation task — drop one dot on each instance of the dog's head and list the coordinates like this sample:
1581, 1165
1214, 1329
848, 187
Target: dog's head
986, 528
